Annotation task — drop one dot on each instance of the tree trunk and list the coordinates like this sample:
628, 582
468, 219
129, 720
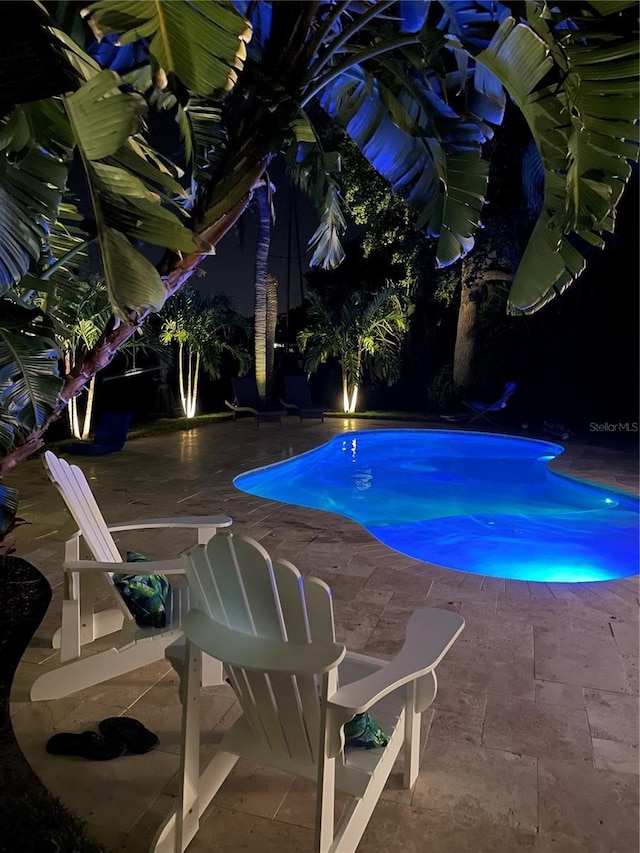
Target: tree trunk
465, 346
260, 289
345, 392
86, 429
272, 322
488, 263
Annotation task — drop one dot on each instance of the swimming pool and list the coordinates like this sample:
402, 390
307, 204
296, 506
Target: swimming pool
475, 502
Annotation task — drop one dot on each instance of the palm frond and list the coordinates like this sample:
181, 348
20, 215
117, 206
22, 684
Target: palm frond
313, 170
203, 44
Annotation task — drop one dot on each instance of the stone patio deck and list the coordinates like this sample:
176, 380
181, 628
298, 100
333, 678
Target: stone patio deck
532, 742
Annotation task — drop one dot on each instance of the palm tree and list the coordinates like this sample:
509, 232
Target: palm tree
205, 331
263, 286
418, 94
92, 313
363, 331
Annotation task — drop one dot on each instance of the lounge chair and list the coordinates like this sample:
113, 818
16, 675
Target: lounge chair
111, 433
133, 646
298, 399
246, 400
483, 410
297, 687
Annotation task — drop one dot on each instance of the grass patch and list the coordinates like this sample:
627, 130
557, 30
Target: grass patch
164, 425
386, 416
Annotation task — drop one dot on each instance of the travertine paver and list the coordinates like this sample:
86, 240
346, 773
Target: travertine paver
532, 740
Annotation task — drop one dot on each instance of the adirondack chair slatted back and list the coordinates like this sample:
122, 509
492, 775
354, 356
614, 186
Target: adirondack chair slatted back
236, 584
77, 495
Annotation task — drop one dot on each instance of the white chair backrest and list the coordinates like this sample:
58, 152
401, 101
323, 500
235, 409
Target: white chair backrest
77, 495
237, 585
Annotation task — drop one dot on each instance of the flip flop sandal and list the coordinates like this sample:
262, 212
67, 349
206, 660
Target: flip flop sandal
87, 745
137, 738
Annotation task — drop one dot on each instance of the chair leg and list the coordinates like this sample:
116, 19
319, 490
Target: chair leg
326, 778
94, 669
354, 822
188, 813
325, 805
412, 719
196, 792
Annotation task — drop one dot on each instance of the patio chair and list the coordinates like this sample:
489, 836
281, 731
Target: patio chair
483, 410
297, 687
246, 400
298, 399
111, 433
133, 646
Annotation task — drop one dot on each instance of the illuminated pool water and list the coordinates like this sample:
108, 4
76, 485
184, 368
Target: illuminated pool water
480, 503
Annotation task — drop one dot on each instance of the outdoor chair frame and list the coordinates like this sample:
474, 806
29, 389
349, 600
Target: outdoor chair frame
274, 632
133, 646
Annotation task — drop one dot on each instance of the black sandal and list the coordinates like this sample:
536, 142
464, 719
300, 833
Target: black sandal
87, 745
136, 737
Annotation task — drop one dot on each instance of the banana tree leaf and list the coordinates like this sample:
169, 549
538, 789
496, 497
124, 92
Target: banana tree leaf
7, 433
472, 22
30, 192
584, 174
201, 43
129, 186
417, 168
110, 53
142, 219
133, 283
612, 7
549, 257
467, 176
202, 134
102, 117
35, 384
50, 128
8, 507
413, 14
138, 159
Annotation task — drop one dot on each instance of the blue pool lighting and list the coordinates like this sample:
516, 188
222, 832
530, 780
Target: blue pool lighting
480, 503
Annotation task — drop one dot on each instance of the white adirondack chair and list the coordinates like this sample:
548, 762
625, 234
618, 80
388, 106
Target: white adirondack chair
133, 646
274, 632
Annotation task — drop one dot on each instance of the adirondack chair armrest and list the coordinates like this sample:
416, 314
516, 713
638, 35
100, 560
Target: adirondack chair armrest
249, 652
198, 522
151, 567
236, 408
430, 634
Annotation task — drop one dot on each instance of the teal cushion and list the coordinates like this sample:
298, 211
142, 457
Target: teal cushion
364, 733
145, 595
